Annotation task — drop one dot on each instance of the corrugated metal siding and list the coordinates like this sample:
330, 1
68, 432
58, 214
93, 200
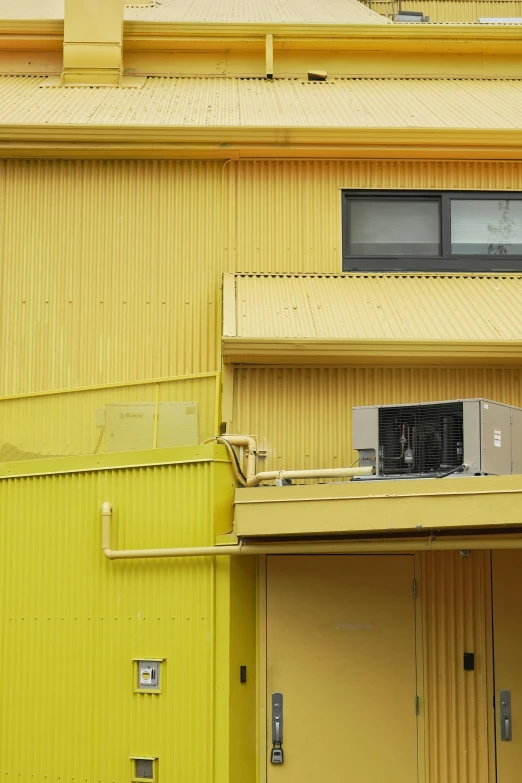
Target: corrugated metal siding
410, 307
282, 103
67, 424
110, 271
455, 600
71, 622
463, 11
303, 416
285, 216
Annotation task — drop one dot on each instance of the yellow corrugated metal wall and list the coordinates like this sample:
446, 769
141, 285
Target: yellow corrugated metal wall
456, 601
450, 10
65, 424
110, 271
285, 216
303, 415
71, 622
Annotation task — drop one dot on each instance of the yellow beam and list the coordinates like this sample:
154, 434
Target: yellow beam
387, 507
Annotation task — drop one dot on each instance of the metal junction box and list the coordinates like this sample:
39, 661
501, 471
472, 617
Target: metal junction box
437, 438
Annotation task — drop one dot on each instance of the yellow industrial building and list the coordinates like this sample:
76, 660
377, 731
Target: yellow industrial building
250, 252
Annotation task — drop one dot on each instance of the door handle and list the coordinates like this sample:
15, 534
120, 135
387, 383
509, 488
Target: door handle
505, 716
277, 757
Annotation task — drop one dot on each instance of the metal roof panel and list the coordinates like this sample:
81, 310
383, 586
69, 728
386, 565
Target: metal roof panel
240, 11
257, 103
401, 307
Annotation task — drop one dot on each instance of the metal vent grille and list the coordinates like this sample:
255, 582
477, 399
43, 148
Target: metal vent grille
420, 439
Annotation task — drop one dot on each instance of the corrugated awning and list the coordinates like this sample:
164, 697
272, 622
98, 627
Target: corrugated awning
372, 318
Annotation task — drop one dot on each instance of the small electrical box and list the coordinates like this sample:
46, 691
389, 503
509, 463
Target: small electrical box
144, 769
148, 674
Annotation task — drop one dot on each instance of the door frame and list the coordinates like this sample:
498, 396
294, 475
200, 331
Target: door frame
420, 633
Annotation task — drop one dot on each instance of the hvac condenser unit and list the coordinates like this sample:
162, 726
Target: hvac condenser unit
473, 437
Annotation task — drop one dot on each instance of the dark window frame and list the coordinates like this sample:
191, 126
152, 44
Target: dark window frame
446, 262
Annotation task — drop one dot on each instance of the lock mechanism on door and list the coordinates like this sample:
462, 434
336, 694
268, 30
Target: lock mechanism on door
505, 716
277, 756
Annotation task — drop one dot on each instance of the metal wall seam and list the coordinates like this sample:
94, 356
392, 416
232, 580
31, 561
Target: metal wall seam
71, 623
455, 618
303, 415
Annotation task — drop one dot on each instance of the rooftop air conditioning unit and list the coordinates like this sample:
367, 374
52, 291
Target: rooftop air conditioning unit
470, 437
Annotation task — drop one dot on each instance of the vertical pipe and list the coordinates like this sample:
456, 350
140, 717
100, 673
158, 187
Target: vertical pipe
269, 52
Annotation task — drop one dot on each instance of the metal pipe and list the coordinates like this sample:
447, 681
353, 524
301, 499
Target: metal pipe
321, 547
136, 554
309, 474
250, 443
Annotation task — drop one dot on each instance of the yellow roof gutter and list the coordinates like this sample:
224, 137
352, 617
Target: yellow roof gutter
250, 350
46, 140
458, 39
415, 506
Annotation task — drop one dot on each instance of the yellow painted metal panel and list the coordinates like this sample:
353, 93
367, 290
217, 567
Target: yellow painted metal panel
453, 11
243, 644
72, 622
75, 422
106, 275
285, 216
377, 307
506, 578
93, 21
282, 103
303, 416
455, 601
341, 649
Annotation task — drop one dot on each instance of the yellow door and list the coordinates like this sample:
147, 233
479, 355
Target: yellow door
341, 651
507, 637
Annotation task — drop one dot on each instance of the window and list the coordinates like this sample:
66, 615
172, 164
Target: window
430, 231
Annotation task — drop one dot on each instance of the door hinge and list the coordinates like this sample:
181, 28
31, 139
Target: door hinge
416, 705
414, 589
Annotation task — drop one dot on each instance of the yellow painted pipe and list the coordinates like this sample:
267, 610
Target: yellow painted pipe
250, 444
300, 548
318, 473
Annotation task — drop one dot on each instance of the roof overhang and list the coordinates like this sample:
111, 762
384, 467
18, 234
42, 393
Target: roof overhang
372, 319
414, 507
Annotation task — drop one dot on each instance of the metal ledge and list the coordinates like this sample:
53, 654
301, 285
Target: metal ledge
386, 507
